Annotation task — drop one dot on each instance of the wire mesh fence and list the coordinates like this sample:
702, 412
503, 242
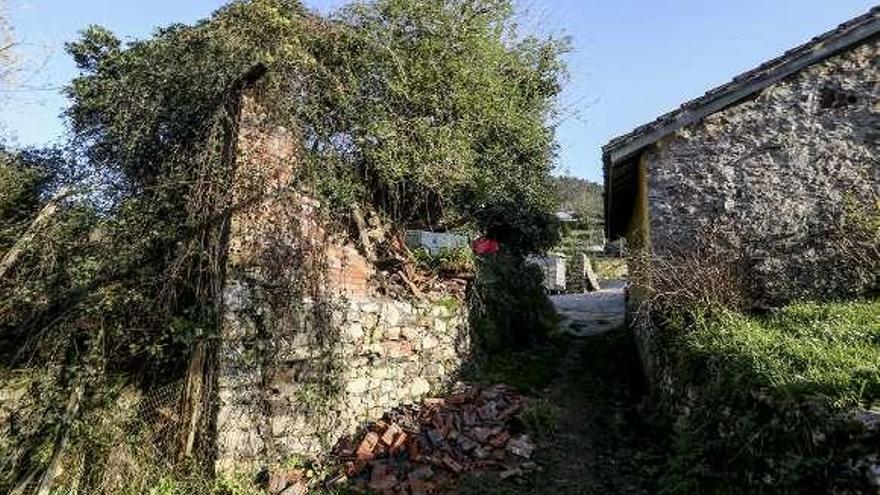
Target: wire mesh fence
123, 445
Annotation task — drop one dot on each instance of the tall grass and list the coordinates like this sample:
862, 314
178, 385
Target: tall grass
765, 403
829, 350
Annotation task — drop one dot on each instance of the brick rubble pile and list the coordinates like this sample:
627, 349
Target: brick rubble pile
418, 450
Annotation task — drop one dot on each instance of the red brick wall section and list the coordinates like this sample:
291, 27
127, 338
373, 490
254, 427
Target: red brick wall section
295, 299
274, 209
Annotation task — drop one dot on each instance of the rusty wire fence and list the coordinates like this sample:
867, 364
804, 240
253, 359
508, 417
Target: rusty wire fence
123, 446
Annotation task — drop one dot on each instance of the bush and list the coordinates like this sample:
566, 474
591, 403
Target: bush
704, 278
448, 261
509, 307
522, 228
839, 259
763, 403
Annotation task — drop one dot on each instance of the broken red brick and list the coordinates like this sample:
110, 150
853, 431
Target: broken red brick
466, 432
458, 399
414, 450
391, 434
436, 438
366, 451
422, 473
418, 487
452, 464
488, 412
500, 439
398, 444
382, 478
482, 434
466, 443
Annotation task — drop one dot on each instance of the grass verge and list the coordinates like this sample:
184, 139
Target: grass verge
764, 403
530, 371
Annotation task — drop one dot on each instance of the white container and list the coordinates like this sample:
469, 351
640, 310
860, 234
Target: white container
553, 266
434, 242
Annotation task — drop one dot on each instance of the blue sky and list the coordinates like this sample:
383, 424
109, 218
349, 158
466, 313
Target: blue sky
632, 59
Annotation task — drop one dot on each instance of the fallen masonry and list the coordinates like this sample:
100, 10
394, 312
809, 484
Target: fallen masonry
422, 449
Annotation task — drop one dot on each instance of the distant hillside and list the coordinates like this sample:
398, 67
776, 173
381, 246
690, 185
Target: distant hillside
580, 196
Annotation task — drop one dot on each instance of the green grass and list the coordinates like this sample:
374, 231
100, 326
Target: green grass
609, 268
541, 417
529, 370
762, 403
829, 350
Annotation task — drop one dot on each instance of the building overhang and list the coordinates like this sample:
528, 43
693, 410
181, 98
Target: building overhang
621, 155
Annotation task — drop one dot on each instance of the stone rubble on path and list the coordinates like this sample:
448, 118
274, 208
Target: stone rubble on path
422, 449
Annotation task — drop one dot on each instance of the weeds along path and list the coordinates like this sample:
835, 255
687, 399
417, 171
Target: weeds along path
602, 444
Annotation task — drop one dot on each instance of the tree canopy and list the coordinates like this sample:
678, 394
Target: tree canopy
426, 110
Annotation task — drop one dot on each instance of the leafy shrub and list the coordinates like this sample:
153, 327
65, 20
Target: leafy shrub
509, 306
522, 227
541, 416
763, 402
452, 261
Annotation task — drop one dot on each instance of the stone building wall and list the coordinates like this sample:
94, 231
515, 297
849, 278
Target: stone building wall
769, 177
309, 351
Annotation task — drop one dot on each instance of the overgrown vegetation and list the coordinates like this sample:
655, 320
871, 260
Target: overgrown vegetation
529, 370
763, 396
769, 399
509, 307
607, 267
448, 261
422, 113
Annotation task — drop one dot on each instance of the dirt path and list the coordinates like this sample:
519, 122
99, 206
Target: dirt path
602, 444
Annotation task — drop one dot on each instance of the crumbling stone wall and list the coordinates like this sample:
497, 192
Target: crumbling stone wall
770, 176
308, 350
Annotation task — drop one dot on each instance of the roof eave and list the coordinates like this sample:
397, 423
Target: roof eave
625, 146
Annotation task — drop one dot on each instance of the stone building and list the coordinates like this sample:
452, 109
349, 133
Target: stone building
766, 167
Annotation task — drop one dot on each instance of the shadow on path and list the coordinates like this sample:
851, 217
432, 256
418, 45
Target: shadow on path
603, 444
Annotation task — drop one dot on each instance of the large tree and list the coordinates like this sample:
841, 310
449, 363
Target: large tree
428, 110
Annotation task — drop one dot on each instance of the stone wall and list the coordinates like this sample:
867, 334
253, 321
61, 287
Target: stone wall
309, 350
770, 176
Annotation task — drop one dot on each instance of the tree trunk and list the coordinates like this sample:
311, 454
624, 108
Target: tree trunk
11, 256
93, 366
192, 402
